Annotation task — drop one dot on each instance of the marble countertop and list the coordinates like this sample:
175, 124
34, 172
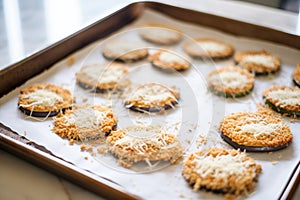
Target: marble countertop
26, 27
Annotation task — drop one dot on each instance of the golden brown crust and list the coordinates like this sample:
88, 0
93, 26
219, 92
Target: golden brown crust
140, 101
99, 83
218, 84
296, 75
295, 108
65, 125
160, 34
257, 68
233, 124
132, 148
199, 48
229, 183
179, 64
25, 102
124, 51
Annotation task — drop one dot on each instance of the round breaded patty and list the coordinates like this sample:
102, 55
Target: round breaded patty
160, 34
151, 97
230, 81
283, 99
42, 100
208, 48
101, 77
124, 51
85, 123
143, 143
169, 61
222, 171
259, 62
255, 131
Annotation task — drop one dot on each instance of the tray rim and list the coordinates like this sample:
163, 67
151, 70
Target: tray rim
18, 148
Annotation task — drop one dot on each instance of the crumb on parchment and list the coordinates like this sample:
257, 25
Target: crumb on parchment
71, 60
101, 150
201, 139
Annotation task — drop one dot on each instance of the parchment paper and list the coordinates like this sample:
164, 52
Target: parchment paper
199, 112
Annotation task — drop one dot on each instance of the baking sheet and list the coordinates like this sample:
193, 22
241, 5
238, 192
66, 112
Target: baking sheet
185, 120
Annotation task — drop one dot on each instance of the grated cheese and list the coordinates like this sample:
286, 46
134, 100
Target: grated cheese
285, 96
86, 118
103, 74
139, 139
151, 93
265, 60
170, 58
208, 47
221, 165
261, 128
231, 79
43, 97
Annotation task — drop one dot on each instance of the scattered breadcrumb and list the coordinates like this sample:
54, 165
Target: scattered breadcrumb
86, 158
83, 147
274, 162
181, 195
279, 156
71, 60
101, 150
201, 139
87, 148
84, 99
25, 132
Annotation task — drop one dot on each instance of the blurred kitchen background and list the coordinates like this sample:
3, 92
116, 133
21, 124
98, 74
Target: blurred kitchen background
51, 20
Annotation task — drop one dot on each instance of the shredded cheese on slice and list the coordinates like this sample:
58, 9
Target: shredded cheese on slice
265, 60
170, 58
261, 128
221, 165
86, 118
207, 47
139, 139
151, 93
230, 79
285, 96
103, 74
43, 97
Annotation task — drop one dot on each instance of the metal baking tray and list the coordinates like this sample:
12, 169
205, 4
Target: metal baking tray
18, 73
